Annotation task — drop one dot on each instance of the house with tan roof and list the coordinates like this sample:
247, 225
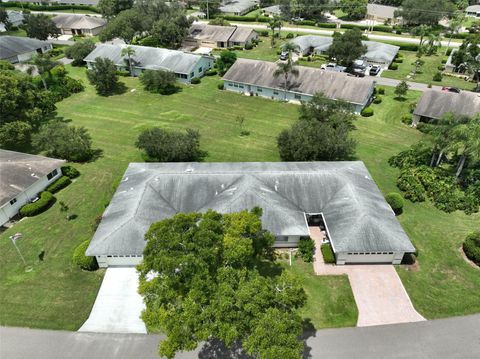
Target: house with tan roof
70, 24
214, 36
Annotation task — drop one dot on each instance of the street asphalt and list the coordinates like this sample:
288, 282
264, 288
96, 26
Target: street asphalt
452, 338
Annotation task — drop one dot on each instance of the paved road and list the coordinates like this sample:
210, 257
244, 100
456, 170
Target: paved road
412, 85
453, 338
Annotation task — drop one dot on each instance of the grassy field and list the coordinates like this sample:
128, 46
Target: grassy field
58, 295
426, 72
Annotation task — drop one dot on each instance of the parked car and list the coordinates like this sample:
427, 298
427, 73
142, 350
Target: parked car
375, 70
297, 19
451, 89
284, 55
333, 67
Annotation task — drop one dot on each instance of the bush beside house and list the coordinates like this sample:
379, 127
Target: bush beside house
471, 247
83, 261
42, 204
327, 253
59, 184
306, 248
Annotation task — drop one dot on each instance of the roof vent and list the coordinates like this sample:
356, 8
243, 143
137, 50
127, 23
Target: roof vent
189, 170
125, 179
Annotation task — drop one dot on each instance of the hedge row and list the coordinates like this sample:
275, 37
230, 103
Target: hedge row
327, 253
42, 204
246, 18
81, 260
49, 7
404, 46
306, 248
70, 172
59, 184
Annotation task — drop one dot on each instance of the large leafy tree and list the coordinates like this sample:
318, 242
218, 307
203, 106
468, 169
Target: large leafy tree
158, 81
103, 75
110, 8
428, 12
40, 26
347, 47
170, 31
125, 26
165, 146
226, 60
466, 142
44, 65
79, 50
207, 285
355, 9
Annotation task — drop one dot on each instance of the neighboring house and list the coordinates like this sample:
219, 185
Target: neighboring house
237, 7
273, 10
22, 178
70, 24
15, 18
382, 13
186, 66
214, 36
378, 53
255, 77
434, 104
473, 10
59, 2
18, 49
339, 197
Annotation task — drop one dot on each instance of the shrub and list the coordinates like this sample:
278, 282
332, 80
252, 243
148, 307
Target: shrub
411, 185
398, 61
306, 248
367, 112
429, 85
449, 52
290, 35
437, 77
211, 72
195, 81
123, 73
407, 119
159, 81
70, 172
59, 184
444, 61
42, 204
381, 91
377, 100
220, 85
328, 25
395, 201
81, 260
471, 247
327, 253
263, 33
393, 66
404, 46
248, 46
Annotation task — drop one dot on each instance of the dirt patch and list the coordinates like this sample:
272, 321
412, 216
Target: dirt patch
415, 267
464, 256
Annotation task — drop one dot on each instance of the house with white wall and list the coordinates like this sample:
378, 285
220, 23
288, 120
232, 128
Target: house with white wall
256, 78
84, 25
339, 197
186, 66
16, 49
218, 37
22, 178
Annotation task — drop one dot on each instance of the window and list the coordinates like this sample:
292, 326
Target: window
275, 92
259, 89
230, 84
200, 70
235, 85
282, 238
192, 74
13, 201
52, 174
298, 97
241, 86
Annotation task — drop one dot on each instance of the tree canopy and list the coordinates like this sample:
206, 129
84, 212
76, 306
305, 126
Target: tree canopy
40, 26
162, 82
225, 61
355, 9
347, 47
103, 75
208, 284
428, 12
110, 8
79, 50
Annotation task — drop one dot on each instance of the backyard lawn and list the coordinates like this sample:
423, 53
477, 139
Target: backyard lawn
58, 295
426, 72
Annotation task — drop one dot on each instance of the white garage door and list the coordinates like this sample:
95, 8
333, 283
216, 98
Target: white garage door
123, 260
386, 257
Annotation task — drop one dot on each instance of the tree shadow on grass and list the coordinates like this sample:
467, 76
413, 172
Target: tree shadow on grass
96, 154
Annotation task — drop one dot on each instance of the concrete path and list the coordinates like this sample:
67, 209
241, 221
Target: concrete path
118, 305
452, 338
378, 291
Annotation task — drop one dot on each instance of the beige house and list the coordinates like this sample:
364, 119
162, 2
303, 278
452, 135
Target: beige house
382, 13
79, 24
213, 36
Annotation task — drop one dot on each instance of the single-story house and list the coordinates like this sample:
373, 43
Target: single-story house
434, 104
214, 36
473, 10
70, 24
378, 53
237, 7
382, 13
22, 178
16, 49
273, 10
256, 77
339, 197
61, 2
15, 18
186, 66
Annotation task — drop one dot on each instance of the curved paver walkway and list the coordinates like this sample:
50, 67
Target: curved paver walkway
377, 289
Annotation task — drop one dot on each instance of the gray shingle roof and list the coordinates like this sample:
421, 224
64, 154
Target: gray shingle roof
383, 11
18, 171
15, 17
237, 6
152, 58
11, 46
433, 104
274, 9
473, 8
69, 21
356, 214
334, 85
376, 51
213, 33
241, 34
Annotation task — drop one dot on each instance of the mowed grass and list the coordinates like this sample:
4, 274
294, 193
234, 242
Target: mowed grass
426, 72
58, 295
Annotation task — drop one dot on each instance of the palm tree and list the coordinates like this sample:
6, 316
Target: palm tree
290, 47
129, 52
274, 23
433, 43
44, 65
453, 27
286, 69
442, 136
422, 31
467, 142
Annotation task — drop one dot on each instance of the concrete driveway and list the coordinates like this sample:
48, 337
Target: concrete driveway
118, 305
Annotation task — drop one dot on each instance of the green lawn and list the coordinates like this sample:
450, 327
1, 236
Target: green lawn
58, 295
18, 32
426, 72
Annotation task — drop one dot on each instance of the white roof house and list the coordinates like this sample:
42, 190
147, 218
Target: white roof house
185, 65
15, 18
71, 24
17, 49
382, 13
360, 224
22, 177
237, 7
473, 10
215, 36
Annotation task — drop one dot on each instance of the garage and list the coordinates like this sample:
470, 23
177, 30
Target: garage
118, 261
369, 257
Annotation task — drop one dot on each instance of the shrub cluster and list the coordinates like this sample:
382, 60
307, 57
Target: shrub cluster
195, 81
405, 46
306, 248
381, 91
81, 260
220, 85
367, 112
70, 172
437, 77
59, 184
42, 204
377, 100
395, 201
393, 66
290, 36
327, 253
211, 72
471, 247
328, 25
246, 18
263, 33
